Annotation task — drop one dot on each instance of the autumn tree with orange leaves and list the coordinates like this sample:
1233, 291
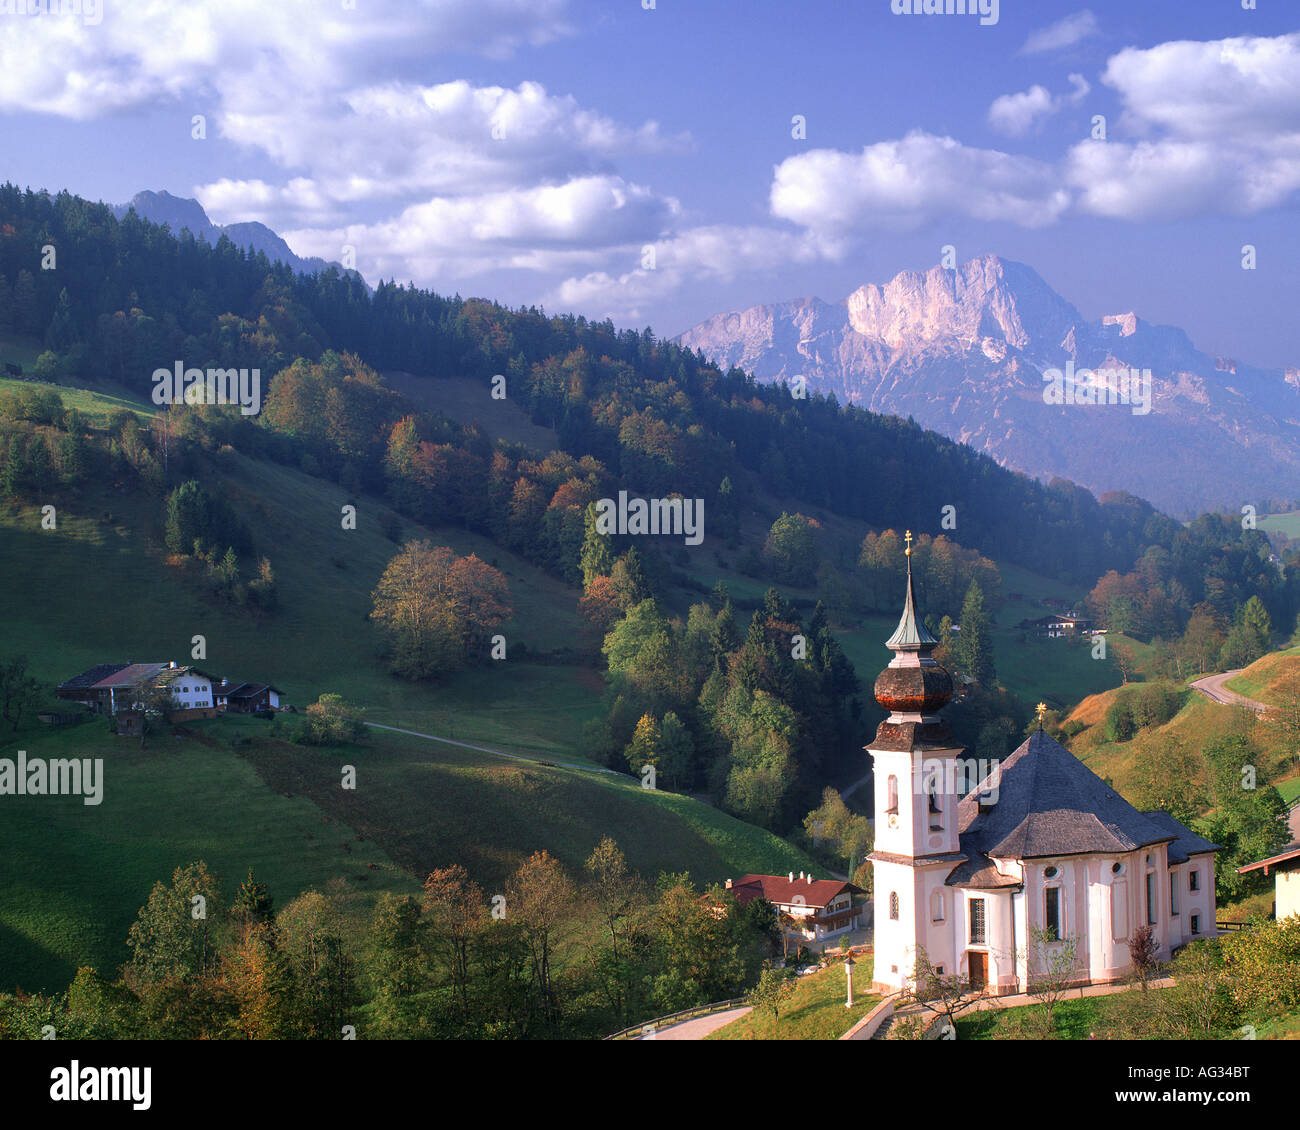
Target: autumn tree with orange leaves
438, 609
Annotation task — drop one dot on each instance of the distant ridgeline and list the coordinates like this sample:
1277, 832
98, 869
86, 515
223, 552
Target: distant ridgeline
631, 411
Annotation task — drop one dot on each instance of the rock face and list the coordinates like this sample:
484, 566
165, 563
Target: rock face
181, 212
964, 352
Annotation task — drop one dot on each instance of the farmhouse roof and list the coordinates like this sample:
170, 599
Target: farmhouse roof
1050, 804
130, 676
1289, 854
785, 891
91, 676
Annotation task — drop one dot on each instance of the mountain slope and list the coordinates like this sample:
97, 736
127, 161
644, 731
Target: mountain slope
964, 352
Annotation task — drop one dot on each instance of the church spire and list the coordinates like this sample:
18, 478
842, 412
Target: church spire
911, 634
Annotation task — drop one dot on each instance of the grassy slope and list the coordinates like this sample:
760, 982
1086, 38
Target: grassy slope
1263, 679
74, 875
815, 1012
98, 589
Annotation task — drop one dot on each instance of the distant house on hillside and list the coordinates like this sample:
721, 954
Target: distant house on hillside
247, 698
118, 688
1057, 625
1286, 879
820, 908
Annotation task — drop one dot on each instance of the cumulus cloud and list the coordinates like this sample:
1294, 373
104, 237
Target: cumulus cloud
1064, 33
156, 51
1218, 126
905, 183
1017, 114
397, 140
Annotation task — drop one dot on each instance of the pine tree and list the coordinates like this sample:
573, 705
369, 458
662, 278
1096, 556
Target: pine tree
597, 559
974, 647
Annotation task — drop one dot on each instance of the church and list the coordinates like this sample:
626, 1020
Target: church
983, 868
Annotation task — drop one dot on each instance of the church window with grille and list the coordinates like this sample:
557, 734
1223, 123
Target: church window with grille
977, 934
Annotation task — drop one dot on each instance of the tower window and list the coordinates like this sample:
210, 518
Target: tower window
893, 905
936, 906
936, 814
891, 790
1193, 880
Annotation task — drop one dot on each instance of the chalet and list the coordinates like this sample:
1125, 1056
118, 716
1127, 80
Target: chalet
1057, 626
115, 688
820, 908
1285, 867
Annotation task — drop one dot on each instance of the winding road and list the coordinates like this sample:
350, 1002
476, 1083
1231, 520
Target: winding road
1212, 686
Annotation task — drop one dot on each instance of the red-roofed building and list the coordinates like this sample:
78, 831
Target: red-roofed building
821, 908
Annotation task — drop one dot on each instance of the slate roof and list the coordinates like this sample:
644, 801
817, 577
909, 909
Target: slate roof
1050, 804
89, 678
980, 873
1188, 842
130, 676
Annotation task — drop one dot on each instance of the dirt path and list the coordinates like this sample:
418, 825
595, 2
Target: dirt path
495, 752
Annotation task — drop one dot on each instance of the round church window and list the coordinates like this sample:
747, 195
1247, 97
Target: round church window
1050, 873
1116, 868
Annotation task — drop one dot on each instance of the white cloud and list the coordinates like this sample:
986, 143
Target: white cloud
541, 228
711, 253
905, 183
1218, 126
156, 51
1017, 114
1064, 33
400, 141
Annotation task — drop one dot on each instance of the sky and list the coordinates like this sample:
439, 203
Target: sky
661, 161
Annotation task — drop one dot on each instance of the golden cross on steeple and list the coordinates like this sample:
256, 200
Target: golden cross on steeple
908, 540
1041, 708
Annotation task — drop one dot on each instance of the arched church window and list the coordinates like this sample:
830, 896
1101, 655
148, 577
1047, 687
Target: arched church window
891, 790
893, 905
936, 817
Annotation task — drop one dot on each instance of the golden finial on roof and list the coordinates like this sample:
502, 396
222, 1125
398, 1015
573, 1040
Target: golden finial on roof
1041, 708
908, 539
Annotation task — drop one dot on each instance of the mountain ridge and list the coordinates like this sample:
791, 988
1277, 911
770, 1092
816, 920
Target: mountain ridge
162, 207
964, 352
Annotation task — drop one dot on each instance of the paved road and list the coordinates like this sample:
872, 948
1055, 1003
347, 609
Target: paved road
700, 1027
497, 752
1212, 686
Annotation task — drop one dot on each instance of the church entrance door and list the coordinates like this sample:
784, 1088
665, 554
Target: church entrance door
978, 964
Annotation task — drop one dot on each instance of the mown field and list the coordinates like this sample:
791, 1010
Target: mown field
74, 875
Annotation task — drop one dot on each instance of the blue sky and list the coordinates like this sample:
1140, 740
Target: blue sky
371, 125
